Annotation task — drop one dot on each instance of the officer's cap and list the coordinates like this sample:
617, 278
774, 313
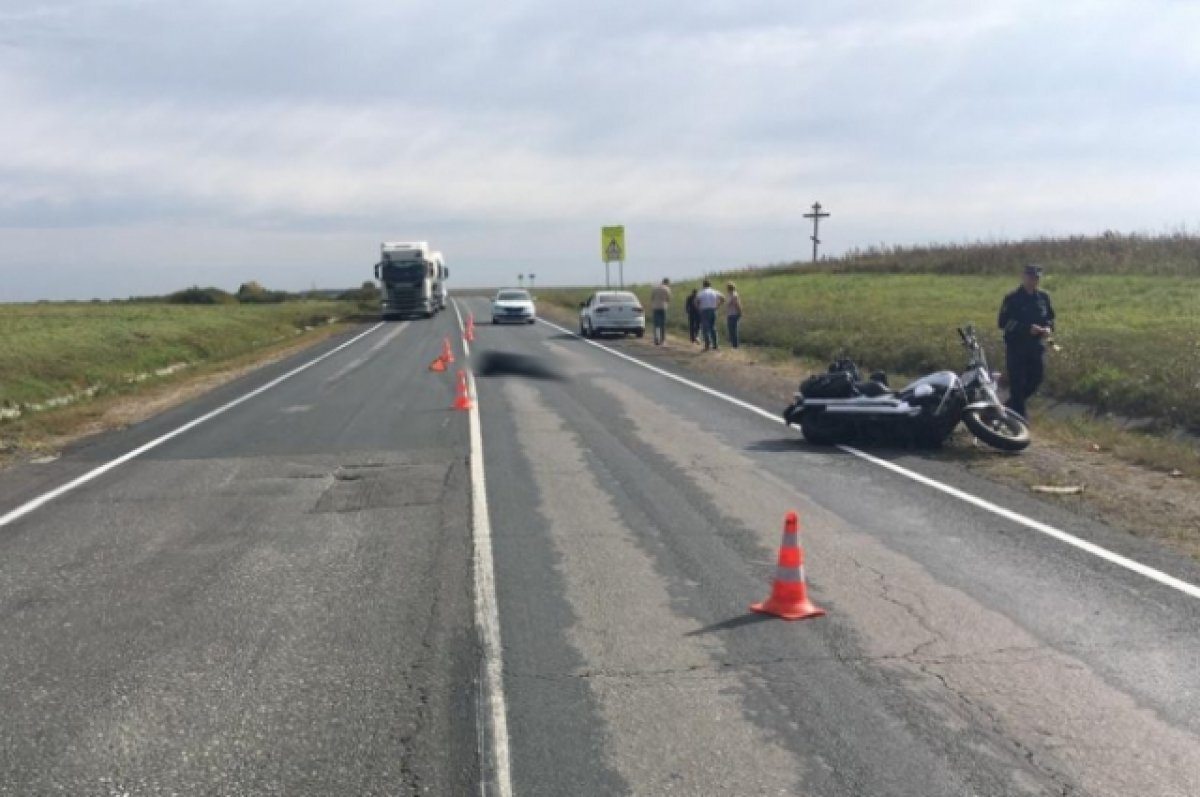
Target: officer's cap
1033, 270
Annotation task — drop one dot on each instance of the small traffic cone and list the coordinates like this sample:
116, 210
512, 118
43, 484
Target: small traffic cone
789, 592
438, 365
463, 400
470, 331
447, 354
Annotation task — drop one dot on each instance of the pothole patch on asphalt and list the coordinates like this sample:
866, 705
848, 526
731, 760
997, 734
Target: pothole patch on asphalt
380, 486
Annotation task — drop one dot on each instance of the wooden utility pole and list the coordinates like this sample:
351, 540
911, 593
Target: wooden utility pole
816, 216
532, 277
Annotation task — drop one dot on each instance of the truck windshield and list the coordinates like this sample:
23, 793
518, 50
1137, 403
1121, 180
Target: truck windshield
402, 272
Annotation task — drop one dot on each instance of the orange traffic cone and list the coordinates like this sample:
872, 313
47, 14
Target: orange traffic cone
470, 333
789, 592
447, 353
463, 400
438, 365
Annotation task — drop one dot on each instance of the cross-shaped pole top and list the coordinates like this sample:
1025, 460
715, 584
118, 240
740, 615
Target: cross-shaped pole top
816, 212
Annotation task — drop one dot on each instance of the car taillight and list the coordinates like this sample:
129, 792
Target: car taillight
601, 309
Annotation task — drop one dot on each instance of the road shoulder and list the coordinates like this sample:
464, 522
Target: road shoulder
1139, 501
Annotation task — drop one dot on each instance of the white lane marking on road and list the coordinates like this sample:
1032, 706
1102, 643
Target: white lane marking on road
1134, 566
57, 492
462, 329
359, 361
487, 611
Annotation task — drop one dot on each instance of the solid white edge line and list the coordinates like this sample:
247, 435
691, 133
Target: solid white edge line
1050, 531
79, 481
1151, 573
487, 612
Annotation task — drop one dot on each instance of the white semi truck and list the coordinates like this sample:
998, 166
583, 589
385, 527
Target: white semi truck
412, 279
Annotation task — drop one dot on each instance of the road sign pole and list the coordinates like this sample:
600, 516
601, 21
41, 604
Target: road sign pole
607, 278
622, 273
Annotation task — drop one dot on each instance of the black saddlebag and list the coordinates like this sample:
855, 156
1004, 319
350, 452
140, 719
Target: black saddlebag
834, 385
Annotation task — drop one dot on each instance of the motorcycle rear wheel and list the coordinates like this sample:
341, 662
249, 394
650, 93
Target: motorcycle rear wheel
999, 427
817, 432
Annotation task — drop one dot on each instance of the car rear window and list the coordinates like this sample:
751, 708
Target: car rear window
616, 298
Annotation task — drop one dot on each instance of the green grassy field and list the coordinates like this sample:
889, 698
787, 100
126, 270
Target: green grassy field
1130, 341
48, 350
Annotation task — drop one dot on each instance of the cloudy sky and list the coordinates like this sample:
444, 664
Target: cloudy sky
151, 144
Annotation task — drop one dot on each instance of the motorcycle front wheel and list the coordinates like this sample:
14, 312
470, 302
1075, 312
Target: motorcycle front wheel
999, 427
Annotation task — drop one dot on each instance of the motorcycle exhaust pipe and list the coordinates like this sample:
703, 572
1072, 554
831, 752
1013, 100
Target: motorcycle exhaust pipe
791, 415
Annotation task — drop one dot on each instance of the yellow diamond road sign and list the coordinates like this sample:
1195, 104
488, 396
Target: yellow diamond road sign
612, 244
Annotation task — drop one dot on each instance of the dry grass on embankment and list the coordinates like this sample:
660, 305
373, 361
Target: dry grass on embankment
72, 368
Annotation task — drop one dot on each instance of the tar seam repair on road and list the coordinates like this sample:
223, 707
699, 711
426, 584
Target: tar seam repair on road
1103, 553
493, 720
79, 481
359, 361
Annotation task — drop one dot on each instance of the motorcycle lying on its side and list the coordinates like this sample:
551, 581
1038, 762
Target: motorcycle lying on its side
838, 406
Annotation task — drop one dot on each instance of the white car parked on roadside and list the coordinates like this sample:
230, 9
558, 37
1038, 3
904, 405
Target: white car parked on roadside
617, 312
513, 306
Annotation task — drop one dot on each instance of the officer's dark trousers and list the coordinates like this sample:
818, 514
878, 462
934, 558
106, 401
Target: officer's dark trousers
1026, 368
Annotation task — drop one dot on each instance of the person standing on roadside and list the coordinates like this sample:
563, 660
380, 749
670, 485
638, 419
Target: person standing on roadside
693, 315
709, 300
1027, 318
733, 313
660, 300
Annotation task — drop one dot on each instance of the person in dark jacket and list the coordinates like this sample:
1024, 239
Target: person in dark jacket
1027, 318
693, 315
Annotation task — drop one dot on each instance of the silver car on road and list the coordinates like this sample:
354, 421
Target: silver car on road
617, 312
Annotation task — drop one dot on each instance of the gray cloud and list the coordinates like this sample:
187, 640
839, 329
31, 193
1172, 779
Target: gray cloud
297, 135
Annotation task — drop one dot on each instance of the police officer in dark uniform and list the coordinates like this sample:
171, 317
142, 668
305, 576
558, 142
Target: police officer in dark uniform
1027, 318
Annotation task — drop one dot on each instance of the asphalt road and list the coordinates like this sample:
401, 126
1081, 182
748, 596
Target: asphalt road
277, 601
282, 601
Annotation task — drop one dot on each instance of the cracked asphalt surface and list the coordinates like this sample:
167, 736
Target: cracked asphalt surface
276, 602
280, 602
636, 519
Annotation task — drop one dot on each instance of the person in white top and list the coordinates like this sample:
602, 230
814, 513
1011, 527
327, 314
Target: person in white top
708, 300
